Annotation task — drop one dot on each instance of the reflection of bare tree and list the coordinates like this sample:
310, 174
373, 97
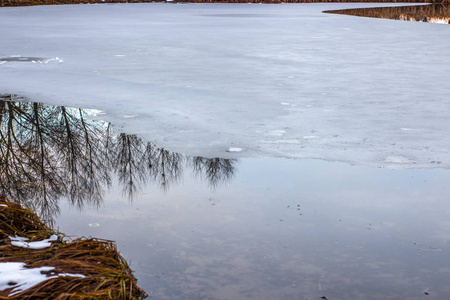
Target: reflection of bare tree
26, 166
128, 162
137, 163
214, 170
48, 152
83, 150
164, 167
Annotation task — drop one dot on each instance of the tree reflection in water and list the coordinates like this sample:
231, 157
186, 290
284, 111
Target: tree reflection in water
50, 152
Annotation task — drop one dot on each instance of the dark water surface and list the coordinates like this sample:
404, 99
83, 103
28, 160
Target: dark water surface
212, 228
284, 229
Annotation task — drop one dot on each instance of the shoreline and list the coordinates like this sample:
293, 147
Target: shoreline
15, 3
42, 263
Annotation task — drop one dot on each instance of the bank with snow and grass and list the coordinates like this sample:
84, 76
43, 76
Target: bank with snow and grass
39, 263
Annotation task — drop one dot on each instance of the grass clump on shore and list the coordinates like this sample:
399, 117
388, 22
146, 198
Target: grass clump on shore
85, 268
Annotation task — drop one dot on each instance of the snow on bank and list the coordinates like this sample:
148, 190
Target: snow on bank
198, 78
22, 242
14, 275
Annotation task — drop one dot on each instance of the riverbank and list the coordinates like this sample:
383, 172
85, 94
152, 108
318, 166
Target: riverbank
421, 13
37, 262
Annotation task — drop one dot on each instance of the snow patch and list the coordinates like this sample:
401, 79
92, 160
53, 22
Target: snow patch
94, 112
276, 132
19, 241
14, 275
234, 149
3, 205
283, 142
398, 160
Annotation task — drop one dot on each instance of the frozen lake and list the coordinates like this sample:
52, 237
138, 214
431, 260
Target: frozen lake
274, 80
336, 184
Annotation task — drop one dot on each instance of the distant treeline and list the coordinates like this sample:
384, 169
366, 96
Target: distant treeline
56, 2
422, 13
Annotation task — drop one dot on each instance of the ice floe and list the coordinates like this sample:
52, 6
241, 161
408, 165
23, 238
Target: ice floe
18, 58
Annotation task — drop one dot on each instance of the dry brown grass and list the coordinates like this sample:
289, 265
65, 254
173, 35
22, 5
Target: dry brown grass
107, 274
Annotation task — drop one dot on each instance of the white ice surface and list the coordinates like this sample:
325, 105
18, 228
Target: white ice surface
22, 242
275, 80
15, 275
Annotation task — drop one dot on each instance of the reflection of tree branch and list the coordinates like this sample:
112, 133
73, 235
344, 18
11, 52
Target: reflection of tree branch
71, 147
85, 150
214, 170
128, 163
41, 157
165, 167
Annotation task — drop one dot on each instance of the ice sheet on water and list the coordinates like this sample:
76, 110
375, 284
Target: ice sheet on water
201, 82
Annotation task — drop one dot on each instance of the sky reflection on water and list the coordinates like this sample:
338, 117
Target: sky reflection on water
285, 229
